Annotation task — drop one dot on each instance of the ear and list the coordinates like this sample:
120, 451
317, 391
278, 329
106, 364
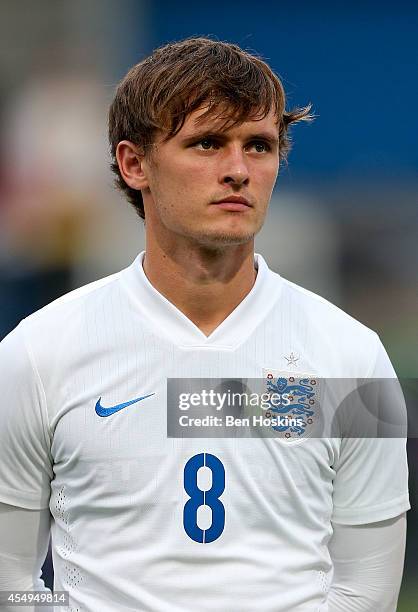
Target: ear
130, 160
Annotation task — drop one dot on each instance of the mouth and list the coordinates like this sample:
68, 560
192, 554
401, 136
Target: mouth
233, 204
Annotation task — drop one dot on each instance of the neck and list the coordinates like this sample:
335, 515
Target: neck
205, 284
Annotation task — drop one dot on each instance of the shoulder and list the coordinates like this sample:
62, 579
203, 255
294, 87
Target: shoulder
322, 309
67, 319
76, 298
339, 344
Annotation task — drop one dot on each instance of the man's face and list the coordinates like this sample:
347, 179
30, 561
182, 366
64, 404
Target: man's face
192, 176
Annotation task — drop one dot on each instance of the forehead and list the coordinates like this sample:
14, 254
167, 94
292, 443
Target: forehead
222, 122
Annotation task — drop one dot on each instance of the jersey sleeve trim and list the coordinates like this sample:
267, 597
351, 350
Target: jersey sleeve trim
23, 499
372, 514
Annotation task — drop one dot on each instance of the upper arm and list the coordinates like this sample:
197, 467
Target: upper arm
371, 481
371, 474
25, 459
24, 538
357, 542
367, 565
24, 533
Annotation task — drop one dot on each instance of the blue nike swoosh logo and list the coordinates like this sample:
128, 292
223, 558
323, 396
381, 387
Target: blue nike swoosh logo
105, 412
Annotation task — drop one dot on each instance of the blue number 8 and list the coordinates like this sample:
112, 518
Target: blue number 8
200, 498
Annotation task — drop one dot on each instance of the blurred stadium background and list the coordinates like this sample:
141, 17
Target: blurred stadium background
344, 216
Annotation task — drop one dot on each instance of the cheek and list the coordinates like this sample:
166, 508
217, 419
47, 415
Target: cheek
271, 174
184, 176
264, 179
178, 193
191, 182
168, 184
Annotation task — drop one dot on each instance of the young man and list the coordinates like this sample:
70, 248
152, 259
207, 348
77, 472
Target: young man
197, 131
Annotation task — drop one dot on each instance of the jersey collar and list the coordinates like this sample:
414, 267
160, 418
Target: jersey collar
169, 321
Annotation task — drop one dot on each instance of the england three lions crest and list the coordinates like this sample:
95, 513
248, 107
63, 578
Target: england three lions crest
294, 403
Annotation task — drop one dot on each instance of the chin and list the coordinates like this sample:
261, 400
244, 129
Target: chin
224, 238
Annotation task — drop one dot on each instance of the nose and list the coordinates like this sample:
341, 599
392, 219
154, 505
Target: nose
234, 168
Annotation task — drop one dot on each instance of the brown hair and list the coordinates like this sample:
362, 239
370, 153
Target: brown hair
160, 92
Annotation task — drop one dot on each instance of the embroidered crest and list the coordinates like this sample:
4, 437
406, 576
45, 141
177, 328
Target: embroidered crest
297, 414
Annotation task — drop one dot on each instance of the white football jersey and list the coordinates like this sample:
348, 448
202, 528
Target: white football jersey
130, 530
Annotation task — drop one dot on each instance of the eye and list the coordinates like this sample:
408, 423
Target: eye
206, 144
260, 146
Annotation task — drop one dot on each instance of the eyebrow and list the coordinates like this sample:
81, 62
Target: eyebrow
220, 135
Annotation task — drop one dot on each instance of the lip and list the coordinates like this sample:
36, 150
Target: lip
233, 203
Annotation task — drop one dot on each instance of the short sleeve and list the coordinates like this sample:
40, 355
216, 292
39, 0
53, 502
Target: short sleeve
25, 460
371, 480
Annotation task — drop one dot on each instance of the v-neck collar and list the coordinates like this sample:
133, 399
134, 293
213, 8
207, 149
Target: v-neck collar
171, 322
